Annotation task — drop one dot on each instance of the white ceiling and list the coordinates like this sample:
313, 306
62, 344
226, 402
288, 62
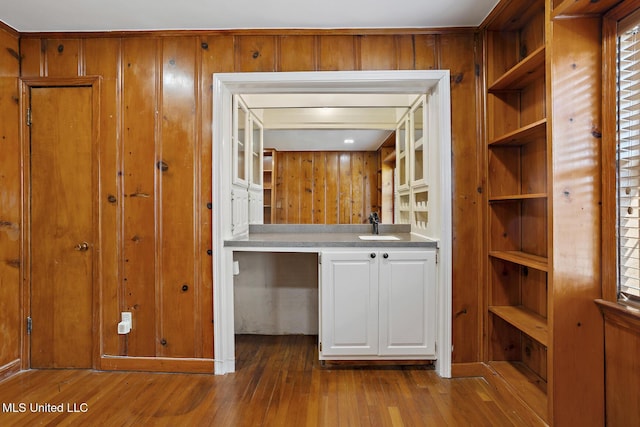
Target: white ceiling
96, 15
308, 122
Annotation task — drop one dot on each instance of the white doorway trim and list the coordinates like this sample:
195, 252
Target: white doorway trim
410, 82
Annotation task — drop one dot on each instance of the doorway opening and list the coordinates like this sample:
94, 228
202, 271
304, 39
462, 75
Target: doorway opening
226, 86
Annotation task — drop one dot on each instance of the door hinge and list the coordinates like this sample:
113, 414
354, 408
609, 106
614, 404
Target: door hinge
29, 325
28, 116
319, 259
436, 257
320, 346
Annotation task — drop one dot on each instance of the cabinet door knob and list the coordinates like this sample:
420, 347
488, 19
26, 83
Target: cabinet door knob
385, 255
373, 255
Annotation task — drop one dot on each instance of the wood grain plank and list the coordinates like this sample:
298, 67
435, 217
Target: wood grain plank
378, 52
103, 58
336, 53
139, 103
10, 203
216, 56
62, 57
466, 200
255, 53
179, 310
297, 53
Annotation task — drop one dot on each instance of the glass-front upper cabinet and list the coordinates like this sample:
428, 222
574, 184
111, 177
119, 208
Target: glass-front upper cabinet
240, 141
419, 141
256, 153
402, 154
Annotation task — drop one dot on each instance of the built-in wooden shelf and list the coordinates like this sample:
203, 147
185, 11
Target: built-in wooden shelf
391, 158
525, 384
522, 258
523, 73
524, 320
516, 197
522, 136
573, 8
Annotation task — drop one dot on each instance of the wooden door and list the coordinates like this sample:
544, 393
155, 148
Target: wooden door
61, 228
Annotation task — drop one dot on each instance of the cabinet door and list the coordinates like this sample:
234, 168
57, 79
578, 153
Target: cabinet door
255, 159
239, 210
240, 139
256, 214
407, 303
349, 304
402, 154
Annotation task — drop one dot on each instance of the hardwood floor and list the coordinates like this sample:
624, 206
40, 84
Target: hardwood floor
278, 382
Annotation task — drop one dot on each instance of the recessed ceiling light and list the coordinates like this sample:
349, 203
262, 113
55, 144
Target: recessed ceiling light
349, 141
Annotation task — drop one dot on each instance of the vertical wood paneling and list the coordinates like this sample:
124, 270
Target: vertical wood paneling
130, 131
32, 64
371, 202
426, 50
216, 56
10, 223
179, 290
336, 53
319, 182
576, 216
325, 187
457, 55
255, 53
345, 197
378, 52
62, 57
139, 232
103, 59
405, 49
297, 53
358, 183
306, 187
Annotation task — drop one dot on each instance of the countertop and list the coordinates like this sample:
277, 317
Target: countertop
328, 236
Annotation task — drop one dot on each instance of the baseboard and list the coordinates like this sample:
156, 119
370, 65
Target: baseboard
157, 364
10, 369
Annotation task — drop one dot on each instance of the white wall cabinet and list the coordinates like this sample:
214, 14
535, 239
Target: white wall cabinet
378, 304
246, 192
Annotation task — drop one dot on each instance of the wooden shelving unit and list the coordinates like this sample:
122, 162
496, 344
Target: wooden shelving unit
517, 199
543, 332
571, 8
268, 187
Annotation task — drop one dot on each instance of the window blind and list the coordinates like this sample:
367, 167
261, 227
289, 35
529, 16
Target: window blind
628, 158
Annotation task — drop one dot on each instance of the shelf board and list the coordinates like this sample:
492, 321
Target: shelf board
572, 8
391, 158
518, 257
520, 75
524, 383
525, 320
522, 136
517, 197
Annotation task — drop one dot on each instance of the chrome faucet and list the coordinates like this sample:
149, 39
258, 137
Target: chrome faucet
374, 220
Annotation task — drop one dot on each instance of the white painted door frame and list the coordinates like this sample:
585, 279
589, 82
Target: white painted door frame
225, 85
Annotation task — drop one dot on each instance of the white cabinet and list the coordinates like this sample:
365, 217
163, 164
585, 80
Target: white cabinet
407, 303
247, 157
349, 303
256, 203
378, 304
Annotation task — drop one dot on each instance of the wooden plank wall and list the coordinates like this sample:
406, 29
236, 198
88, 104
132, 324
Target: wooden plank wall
10, 311
156, 107
326, 187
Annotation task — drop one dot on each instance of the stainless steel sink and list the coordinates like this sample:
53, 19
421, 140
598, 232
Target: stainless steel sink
378, 237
